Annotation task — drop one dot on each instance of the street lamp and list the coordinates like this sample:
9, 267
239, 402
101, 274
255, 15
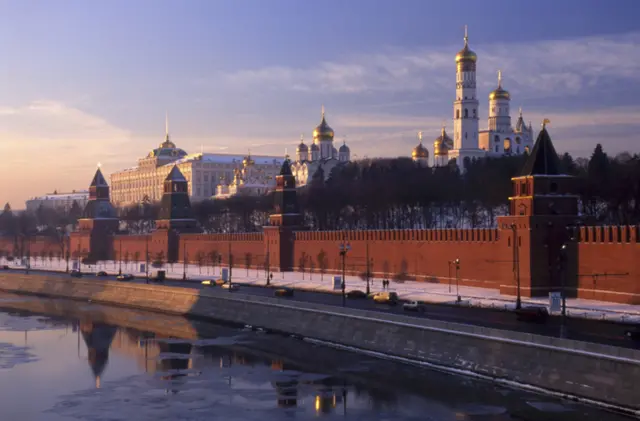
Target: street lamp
516, 266
457, 262
449, 262
230, 262
344, 249
120, 258
368, 270
146, 266
184, 261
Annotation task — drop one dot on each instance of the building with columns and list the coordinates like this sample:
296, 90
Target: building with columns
469, 142
202, 171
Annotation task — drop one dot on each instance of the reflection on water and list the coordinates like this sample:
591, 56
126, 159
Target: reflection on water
137, 370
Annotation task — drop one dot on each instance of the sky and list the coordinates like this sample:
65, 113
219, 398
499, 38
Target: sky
87, 82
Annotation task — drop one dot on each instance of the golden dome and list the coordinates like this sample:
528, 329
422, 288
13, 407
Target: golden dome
442, 144
420, 152
466, 54
247, 161
323, 129
499, 93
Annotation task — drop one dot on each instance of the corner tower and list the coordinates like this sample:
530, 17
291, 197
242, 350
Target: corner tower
175, 207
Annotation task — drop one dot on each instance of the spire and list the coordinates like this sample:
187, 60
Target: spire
98, 179
499, 79
420, 136
444, 123
166, 125
175, 175
323, 111
466, 36
543, 159
301, 137
520, 111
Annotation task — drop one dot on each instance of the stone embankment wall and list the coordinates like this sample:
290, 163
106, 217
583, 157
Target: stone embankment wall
598, 372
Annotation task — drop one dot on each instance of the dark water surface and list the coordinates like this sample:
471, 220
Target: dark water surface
61, 360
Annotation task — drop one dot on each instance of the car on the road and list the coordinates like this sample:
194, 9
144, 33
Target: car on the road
208, 283
386, 298
356, 293
283, 292
125, 277
220, 282
102, 273
5, 267
75, 273
413, 306
536, 314
230, 287
633, 333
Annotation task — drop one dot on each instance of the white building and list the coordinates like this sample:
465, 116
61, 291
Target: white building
144, 182
58, 201
499, 138
249, 180
322, 155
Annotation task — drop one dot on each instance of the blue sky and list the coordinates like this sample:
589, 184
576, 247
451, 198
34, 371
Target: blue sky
87, 82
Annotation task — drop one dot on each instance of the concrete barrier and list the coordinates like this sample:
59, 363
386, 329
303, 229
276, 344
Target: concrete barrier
596, 372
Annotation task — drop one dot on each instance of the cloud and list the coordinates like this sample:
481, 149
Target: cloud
543, 68
49, 145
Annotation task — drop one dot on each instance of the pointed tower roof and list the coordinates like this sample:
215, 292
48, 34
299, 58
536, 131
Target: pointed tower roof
521, 126
285, 169
175, 175
543, 159
99, 180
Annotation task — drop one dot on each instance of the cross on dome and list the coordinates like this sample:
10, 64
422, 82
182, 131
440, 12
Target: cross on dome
499, 78
466, 35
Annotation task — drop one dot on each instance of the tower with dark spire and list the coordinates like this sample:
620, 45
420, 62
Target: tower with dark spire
175, 215
99, 222
284, 221
543, 205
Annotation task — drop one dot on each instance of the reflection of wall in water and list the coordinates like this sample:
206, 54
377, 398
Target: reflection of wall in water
97, 338
174, 367
134, 344
286, 390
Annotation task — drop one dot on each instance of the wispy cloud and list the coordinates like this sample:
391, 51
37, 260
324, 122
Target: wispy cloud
539, 68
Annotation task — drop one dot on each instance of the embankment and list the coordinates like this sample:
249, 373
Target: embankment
595, 372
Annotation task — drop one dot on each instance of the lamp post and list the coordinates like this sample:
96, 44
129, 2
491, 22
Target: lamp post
457, 262
516, 266
120, 258
368, 270
344, 249
67, 251
184, 261
146, 266
230, 262
268, 262
28, 253
449, 262
563, 276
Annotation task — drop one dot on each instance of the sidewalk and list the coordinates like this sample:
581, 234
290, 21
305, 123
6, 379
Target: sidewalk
409, 290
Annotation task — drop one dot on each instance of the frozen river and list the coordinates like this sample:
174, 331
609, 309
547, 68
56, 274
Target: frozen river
76, 363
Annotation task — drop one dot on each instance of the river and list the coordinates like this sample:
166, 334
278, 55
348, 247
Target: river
63, 361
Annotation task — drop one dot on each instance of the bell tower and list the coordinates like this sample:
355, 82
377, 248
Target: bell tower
543, 205
279, 236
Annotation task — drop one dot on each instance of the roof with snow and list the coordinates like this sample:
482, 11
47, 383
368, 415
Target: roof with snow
229, 159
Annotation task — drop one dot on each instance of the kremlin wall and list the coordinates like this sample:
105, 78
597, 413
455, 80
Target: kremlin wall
539, 246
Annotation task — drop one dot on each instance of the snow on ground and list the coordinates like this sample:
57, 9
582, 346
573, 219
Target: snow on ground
409, 290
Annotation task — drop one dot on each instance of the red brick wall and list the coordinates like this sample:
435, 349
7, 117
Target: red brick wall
422, 255
245, 248
607, 264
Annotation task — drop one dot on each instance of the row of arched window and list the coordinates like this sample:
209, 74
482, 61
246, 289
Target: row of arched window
466, 113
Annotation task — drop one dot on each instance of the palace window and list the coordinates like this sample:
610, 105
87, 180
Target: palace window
475, 112
457, 114
496, 139
466, 113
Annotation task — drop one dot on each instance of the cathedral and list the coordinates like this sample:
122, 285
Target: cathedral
320, 157
469, 142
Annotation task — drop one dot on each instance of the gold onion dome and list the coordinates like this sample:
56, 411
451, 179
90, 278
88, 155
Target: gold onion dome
466, 54
442, 144
499, 92
248, 160
323, 129
420, 151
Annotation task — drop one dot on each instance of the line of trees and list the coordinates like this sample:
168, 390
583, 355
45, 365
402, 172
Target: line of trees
389, 194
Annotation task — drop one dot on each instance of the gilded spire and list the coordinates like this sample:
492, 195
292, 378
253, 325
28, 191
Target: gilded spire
323, 111
520, 111
499, 79
444, 122
420, 136
466, 36
545, 122
166, 125
301, 137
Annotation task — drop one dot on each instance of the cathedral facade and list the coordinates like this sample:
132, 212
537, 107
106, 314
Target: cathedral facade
469, 142
319, 158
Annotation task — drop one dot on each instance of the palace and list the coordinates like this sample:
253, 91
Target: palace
469, 142
203, 172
